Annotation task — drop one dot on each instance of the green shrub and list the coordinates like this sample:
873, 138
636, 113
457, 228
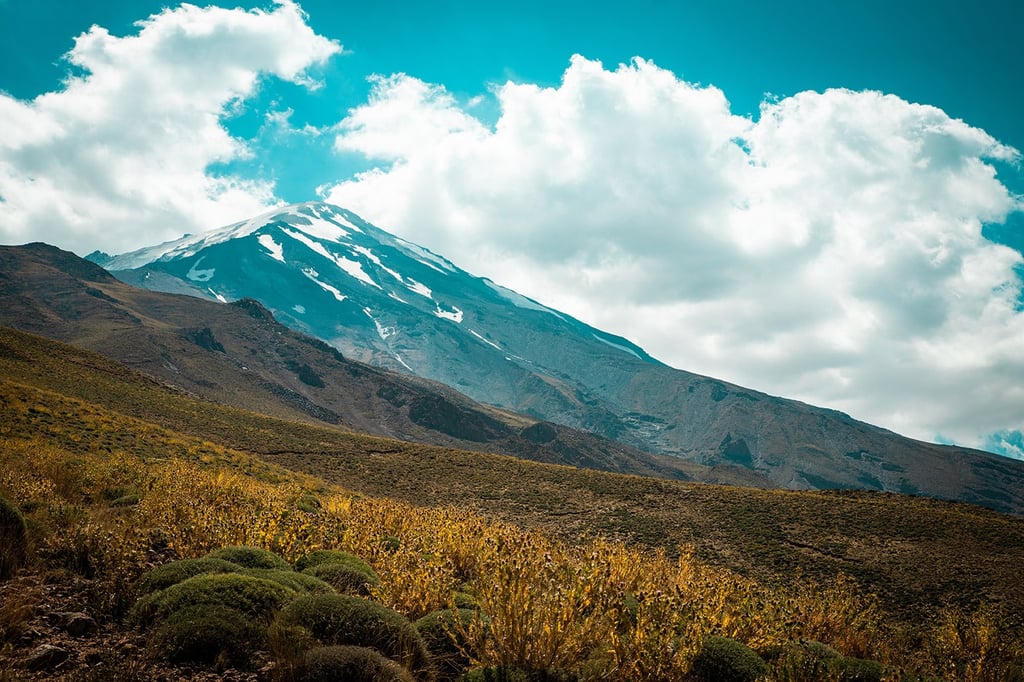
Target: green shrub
208, 634
299, 582
440, 631
13, 539
810, 661
309, 503
250, 557
858, 670
257, 598
162, 577
288, 643
496, 674
129, 500
342, 619
344, 579
725, 660
803, 661
114, 494
350, 663
464, 600
345, 572
336, 556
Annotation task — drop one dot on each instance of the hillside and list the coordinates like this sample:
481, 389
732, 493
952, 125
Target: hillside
239, 355
325, 271
110, 496
918, 554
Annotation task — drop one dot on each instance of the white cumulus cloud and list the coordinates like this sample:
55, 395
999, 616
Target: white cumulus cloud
831, 250
119, 156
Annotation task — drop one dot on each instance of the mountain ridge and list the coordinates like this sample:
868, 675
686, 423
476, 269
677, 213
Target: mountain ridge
383, 300
237, 354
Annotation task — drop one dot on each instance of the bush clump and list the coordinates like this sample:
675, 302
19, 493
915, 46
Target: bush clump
344, 579
208, 634
309, 503
725, 660
464, 600
162, 577
802, 661
441, 632
299, 582
496, 674
346, 573
13, 539
809, 661
336, 556
250, 557
256, 598
351, 663
849, 669
337, 619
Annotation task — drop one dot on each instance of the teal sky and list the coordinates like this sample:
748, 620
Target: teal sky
821, 200
961, 57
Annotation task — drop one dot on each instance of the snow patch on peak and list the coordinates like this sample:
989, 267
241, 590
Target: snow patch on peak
417, 288
276, 250
385, 333
317, 219
487, 341
624, 349
327, 212
428, 258
197, 275
315, 277
318, 228
519, 300
455, 315
409, 283
382, 331
350, 267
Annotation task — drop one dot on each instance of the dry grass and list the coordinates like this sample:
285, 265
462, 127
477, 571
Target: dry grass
600, 576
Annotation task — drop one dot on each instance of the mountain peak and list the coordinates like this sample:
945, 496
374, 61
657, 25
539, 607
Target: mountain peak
305, 214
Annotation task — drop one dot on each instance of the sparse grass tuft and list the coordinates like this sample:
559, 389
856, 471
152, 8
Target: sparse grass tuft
13, 539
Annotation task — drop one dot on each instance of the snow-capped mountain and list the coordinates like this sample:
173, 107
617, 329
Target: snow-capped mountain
377, 298
381, 299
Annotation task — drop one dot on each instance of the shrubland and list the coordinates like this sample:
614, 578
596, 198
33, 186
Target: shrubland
197, 559
591, 609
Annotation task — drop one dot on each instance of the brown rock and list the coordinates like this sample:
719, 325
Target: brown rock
46, 657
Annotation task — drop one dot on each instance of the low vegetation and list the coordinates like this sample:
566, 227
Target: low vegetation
199, 573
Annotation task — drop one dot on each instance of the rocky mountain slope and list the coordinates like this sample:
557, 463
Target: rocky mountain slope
377, 298
239, 355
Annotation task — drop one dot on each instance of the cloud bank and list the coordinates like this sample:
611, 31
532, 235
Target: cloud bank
831, 250
124, 149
